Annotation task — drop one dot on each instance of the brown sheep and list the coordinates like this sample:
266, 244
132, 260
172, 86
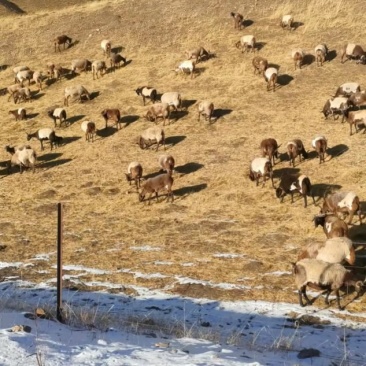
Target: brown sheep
62, 40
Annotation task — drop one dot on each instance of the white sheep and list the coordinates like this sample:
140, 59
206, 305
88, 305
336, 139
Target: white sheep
324, 276
106, 46
334, 250
246, 43
75, 92
134, 172
24, 157
287, 22
153, 135
186, 67
173, 99
90, 129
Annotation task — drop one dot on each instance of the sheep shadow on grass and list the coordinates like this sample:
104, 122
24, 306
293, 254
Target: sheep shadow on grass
73, 44
308, 59
337, 150
331, 55
127, 120
283, 80
49, 157
278, 173
260, 45
3, 67
357, 233
73, 119
177, 115
188, 168
94, 95
117, 49
320, 189
247, 23
32, 115
219, 112
106, 132
69, 139
296, 25
173, 140
37, 95
53, 163
186, 191
188, 103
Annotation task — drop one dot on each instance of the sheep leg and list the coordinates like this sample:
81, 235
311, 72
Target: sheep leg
351, 213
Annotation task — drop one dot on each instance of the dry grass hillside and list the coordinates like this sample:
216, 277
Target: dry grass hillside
223, 237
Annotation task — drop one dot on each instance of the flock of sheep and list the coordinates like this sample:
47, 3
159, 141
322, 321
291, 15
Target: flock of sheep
321, 266
318, 266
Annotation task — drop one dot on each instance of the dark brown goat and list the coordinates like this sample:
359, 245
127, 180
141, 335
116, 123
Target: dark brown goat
116, 60
112, 114
296, 148
269, 148
332, 225
62, 40
238, 20
295, 183
260, 65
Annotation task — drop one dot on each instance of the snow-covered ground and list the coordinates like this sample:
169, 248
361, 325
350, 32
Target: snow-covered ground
212, 332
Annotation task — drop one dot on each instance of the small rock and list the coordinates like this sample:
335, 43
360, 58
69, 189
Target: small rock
162, 345
308, 352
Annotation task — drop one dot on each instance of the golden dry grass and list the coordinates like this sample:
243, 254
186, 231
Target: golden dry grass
216, 208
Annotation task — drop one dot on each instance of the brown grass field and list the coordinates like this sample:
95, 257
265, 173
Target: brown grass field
217, 209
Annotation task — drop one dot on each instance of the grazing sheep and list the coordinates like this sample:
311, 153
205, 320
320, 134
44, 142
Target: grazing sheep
353, 52
55, 71
24, 157
206, 108
153, 135
296, 148
354, 118
324, 276
298, 57
156, 184
321, 52
199, 54
287, 21
50, 69
98, 66
116, 60
12, 149
62, 40
77, 91
186, 67
260, 65
347, 89
344, 202
260, 167
38, 78
357, 99
158, 110
90, 129
112, 114
167, 163
57, 114
269, 148
45, 134
12, 89
238, 20
320, 144
19, 114
270, 76
106, 46
246, 43
334, 250
23, 75
134, 172
335, 107
17, 69
173, 99
290, 184
22, 95
80, 65
332, 225
147, 92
